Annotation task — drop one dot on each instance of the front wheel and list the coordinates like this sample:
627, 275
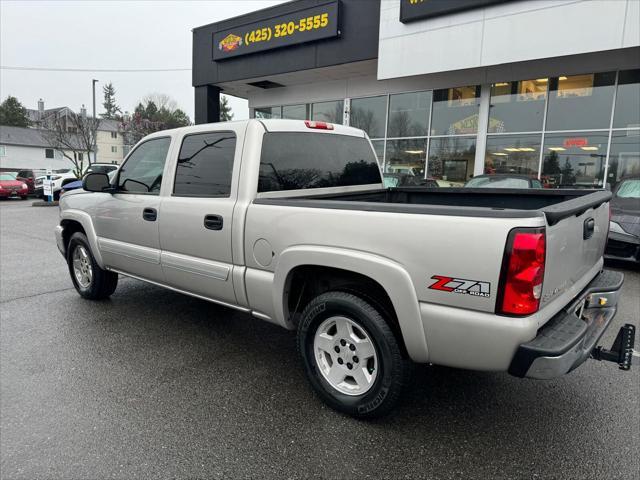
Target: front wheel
351, 356
90, 280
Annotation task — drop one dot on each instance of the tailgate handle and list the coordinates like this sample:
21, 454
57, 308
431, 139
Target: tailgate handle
589, 227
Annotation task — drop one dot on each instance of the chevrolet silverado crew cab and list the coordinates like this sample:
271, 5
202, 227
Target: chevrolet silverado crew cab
289, 221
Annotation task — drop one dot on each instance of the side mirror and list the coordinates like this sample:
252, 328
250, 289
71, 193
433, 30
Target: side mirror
97, 182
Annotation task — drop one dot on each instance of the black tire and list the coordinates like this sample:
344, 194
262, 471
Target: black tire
103, 282
392, 367
24, 197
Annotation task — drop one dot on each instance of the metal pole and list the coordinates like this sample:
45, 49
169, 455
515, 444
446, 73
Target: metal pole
93, 87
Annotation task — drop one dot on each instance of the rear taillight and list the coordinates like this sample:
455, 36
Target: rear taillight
522, 272
318, 125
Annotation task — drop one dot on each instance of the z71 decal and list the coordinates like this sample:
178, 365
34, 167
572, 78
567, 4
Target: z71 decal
461, 286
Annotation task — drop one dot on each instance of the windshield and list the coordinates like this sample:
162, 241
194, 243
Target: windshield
390, 182
7, 176
629, 189
497, 182
101, 168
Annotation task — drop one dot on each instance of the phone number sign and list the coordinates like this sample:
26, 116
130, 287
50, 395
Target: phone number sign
306, 25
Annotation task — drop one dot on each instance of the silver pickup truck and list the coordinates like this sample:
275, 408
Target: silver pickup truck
289, 221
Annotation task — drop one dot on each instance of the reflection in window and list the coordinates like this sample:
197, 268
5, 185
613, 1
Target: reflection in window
624, 158
628, 100
378, 146
142, 172
267, 112
296, 160
451, 160
517, 106
574, 159
331, 112
406, 156
296, 112
205, 165
455, 111
409, 114
516, 154
580, 102
368, 114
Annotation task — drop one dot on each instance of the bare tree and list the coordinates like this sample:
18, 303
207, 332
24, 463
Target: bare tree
74, 135
161, 100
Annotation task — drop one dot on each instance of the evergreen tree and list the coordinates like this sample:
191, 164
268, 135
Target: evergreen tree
13, 113
225, 109
154, 113
551, 164
111, 108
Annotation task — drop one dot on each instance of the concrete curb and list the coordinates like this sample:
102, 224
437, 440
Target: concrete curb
43, 203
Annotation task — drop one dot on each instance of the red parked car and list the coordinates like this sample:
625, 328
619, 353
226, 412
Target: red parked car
10, 187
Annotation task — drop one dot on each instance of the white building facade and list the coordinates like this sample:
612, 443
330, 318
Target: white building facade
449, 90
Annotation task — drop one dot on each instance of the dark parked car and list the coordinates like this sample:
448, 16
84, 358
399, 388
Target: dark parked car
624, 228
500, 180
28, 177
406, 180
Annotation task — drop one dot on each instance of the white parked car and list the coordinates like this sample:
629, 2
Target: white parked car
58, 177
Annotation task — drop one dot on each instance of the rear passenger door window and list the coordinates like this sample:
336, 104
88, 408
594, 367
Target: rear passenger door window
142, 172
205, 165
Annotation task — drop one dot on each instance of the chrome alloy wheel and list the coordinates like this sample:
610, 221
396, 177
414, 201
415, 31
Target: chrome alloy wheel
82, 268
345, 355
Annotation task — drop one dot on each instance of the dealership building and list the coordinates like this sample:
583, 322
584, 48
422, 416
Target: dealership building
446, 89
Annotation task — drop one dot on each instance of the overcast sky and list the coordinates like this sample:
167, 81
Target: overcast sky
106, 35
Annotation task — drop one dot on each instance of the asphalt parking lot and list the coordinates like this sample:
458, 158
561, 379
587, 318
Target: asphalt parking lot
152, 383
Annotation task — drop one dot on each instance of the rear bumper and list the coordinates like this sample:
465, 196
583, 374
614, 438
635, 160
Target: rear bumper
568, 339
622, 246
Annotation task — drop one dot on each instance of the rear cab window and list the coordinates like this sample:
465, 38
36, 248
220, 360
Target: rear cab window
303, 160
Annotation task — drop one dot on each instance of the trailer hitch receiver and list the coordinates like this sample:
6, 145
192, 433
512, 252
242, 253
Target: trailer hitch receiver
622, 350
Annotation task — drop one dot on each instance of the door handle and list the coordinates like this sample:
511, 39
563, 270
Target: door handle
213, 222
150, 214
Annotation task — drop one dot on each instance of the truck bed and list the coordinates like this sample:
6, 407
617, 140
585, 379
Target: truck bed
479, 202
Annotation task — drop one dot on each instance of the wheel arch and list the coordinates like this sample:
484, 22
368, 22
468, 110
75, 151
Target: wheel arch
73, 221
388, 279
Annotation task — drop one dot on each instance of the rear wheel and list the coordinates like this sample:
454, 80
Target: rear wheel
351, 356
90, 280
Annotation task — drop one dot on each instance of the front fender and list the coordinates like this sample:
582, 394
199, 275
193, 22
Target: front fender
391, 275
84, 219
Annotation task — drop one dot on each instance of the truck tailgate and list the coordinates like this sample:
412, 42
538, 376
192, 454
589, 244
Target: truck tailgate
575, 244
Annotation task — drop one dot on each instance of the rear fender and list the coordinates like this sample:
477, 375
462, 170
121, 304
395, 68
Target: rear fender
389, 274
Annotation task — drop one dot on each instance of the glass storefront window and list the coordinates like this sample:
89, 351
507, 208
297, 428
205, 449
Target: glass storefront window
574, 159
451, 160
517, 154
368, 114
580, 102
627, 113
296, 112
624, 158
517, 106
455, 111
331, 112
267, 112
409, 114
378, 146
406, 157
